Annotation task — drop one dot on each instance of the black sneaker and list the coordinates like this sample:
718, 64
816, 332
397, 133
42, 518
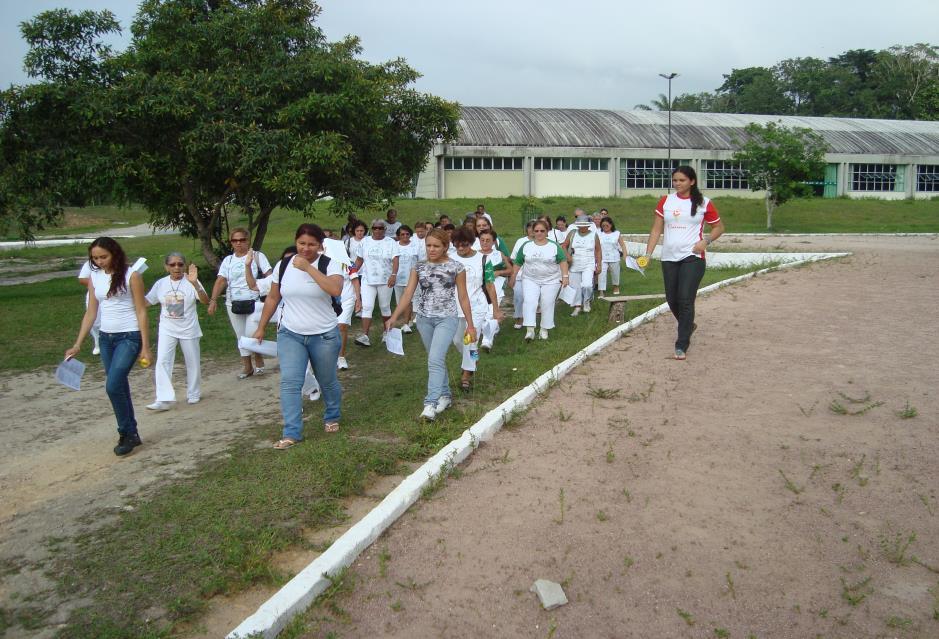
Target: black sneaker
126, 444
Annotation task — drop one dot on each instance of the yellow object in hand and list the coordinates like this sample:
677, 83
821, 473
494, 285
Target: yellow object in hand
642, 261
144, 362
467, 339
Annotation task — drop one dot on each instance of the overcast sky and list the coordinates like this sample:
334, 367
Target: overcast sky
587, 53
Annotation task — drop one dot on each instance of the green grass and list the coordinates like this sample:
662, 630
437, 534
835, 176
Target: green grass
80, 220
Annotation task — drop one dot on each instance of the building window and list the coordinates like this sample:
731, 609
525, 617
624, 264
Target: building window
572, 164
927, 178
483, 164
647, 174
876, 177
719, 174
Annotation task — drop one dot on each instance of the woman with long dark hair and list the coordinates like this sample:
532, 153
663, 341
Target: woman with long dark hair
679, 219
125, 333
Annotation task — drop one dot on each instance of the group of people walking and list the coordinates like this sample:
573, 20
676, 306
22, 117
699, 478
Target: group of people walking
448, 282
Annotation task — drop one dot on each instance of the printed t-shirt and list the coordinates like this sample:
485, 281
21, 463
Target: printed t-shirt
118, 314
377, 256
681, 231
233, 270
408, 256
584, 248
178, 317
540, 263
307, 309
437, 285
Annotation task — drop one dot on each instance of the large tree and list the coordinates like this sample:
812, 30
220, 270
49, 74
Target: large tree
780, 160
215, 103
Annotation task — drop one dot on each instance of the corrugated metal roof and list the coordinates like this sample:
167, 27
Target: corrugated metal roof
492, 126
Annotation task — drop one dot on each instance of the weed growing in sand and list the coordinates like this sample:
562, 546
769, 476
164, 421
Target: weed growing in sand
840, 409
895, 547
560, 520
790, 486
628, 562
610, 455
340, 585
900, 623
603, 393
383, 558
411, 585
721, 633
643, 396
439, 479
839, 491
923, 498
686, 616
628, 496
907, 412
601, 516
564, 417
856, 472
396, 605
856, 593
730, 586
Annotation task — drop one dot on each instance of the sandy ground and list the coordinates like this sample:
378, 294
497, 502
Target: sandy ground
716, 497
708, 525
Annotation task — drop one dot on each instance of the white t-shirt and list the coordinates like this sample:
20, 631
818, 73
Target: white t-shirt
681, 231
408, 256
540, 263
377, 256
583, 248
391, 229
307, 309
118, 314
178, 317
558, 235
233, 270
473, 266
609, 245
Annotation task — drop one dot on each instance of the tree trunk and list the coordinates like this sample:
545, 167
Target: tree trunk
260, 229
203, 226
770, 207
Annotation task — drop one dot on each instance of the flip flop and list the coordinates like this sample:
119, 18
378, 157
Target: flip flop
331, 427
285, 443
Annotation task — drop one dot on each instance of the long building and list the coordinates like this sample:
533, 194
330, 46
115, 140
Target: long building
546, 152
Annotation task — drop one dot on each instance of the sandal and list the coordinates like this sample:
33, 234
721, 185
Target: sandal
259, 370
466, 385
245, 375
331, 427
285, 443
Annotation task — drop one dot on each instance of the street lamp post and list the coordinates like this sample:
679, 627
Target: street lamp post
669, 77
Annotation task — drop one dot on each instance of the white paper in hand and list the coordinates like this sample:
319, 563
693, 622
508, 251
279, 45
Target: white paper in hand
634, 265
394, 341
69, 373
568, 294
267, 348
140, 265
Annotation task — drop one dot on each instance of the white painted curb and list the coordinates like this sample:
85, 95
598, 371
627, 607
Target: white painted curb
300, 591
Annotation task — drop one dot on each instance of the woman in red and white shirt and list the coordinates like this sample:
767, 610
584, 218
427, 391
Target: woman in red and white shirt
681, 217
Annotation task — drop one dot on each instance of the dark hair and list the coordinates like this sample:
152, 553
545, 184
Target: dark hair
544, 217
312, 230
442, 216
489, 232
485, 221
290, 250
603, 211
356, 225
697, 199
448, 227
118, 263
404, 227
610, 220
462, 234
560, 218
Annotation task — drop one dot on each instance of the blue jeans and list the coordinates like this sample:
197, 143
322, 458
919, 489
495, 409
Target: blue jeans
437, 334
119, 351
294, 351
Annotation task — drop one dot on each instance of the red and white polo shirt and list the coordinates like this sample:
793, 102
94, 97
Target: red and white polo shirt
681, 230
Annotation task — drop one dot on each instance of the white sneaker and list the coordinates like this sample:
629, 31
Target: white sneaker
517, 326
529, 333
429, 413
543, 334
587, 306
486, 344
406, 329
442, 404
195, 400
159, 406
96, 350
363, 340
576, 311
342, 364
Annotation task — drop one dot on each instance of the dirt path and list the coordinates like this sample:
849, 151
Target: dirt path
717, 497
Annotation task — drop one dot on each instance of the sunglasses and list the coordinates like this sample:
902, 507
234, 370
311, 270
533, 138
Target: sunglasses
176, 264
378, 228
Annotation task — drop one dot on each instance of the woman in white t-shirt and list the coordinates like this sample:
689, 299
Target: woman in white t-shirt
244, 312
125, 333
543, 267
376, 261
308, 331
583, 244
560, 231
177, 294
410, 252
681, 217
613, 248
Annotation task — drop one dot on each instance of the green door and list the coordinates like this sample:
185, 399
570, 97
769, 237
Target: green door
831, 181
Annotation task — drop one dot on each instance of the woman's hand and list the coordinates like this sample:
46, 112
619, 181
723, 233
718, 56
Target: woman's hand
497, 313
72, 352
213, 305
145, 354
597, 269
471, 331
358, 304
259, 334
301, 263
389, 323
193, 274
249, 258
392, 279
700, 246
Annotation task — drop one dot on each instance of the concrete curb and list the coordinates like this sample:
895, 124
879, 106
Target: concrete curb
303, 589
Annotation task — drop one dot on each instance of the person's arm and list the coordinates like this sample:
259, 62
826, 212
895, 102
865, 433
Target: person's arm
395, 262
84, 281
331, 284
143, 320
497, 314
267, 311
565, 267
506, 270
250, 280
193, 277
404, 302
658, 224
717, 229
622, 246
597, 253
217, 289
88, 320
463, 299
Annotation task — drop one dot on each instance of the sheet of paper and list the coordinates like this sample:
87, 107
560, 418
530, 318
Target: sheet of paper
568, 294
310, 383
140, 265
468, 362
634, 265
394, 341
267, 348
490, 328
69, 373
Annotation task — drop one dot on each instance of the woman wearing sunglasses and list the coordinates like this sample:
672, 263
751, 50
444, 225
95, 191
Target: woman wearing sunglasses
177, 294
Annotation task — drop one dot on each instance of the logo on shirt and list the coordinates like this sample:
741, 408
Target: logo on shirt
676, 212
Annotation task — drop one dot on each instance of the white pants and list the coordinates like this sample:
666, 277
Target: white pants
468, 364
539, 295
245, 325
348, 303
166, 358
582, 282
518, 298
613, 268
369, 293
